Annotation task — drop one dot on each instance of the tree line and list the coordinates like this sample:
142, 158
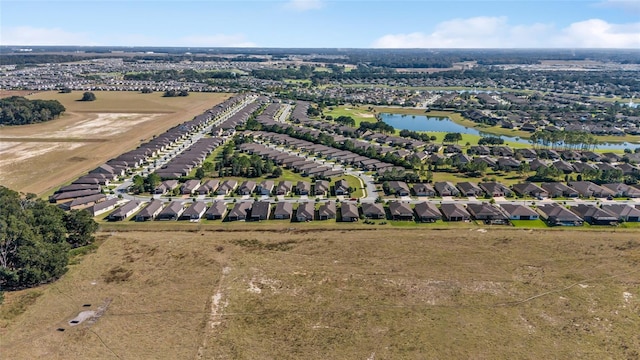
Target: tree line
35, 239
17, 110
571, 140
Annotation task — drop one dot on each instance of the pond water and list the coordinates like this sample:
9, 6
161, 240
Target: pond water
444, 124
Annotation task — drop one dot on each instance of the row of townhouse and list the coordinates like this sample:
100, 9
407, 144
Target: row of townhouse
248, 187
572, 189
219, 210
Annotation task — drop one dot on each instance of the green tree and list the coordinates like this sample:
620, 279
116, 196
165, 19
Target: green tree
452, 137
152, 181
33, 246
88, 96
80, 228
200, 173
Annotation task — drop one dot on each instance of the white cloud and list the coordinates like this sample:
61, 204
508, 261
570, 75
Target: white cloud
496, 32
596, 33
304, 5
222, 40
27, 35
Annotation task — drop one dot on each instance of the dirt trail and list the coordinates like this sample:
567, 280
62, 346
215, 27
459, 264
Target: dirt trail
215, 314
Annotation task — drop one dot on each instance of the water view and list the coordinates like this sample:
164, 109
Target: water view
444, 124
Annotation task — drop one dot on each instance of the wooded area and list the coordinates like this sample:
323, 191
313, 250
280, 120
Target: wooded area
35, 239
17, 110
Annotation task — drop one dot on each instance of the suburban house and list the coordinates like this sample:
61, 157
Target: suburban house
594, 215
109, 171
349, 212
240, 211
563, 166
303, 188
588, 189
171, 211
208, 187
446, 188
557, 215
327, 211
423, 189
495, 189
427, 212
400, 210
558, 189
622, 190
455, 212
488, 213
321, 188
246, 188
227, 187
519, 212
284, 187
469, 189
189, 187
217, 210
529, 189
623, 212
103, 207
260, 211
373, 210
265, 187
283, 210
83, 202
195, 211
341, 187
150, 211
400, 188
124, 211
305, 212
165, 186
70, 195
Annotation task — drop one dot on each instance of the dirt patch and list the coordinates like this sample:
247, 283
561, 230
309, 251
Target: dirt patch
81, 317
37, 158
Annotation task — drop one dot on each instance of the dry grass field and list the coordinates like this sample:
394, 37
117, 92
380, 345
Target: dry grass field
322, 294
37, 158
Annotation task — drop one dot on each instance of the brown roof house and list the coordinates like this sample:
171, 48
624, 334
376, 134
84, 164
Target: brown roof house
427, 212
349, 212
400, 210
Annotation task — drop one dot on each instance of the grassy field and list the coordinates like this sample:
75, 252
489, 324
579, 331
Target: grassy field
358, 113
507, 178
37, 158
385, 294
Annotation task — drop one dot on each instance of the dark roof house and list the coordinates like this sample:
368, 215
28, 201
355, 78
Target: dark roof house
427, 212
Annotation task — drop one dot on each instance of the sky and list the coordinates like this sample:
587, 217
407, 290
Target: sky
324, 23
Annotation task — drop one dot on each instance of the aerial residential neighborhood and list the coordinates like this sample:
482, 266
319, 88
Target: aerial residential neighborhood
311, 179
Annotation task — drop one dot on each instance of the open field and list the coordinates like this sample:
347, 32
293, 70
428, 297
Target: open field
37, 158
385, 294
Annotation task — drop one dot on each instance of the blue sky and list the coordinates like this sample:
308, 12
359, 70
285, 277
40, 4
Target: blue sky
323, 23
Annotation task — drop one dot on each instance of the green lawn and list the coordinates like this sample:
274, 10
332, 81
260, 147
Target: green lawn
508, 179
358, 113
630, 225
355, 183
529, 223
